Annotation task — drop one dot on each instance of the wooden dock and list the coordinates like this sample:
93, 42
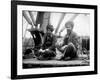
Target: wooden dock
34, 63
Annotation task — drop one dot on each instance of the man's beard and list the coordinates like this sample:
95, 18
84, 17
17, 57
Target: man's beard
68, 31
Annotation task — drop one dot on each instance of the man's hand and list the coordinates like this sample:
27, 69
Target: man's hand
47, 49
59, 42
41, 50
64, 47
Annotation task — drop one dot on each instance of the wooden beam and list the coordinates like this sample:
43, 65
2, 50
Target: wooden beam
32, 17
71, 19
27, 17
45, 22
60, 21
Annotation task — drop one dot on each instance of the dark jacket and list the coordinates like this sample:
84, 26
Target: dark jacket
49, 41
72, 38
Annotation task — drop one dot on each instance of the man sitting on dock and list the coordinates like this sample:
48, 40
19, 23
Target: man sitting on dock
70, 43
47, 50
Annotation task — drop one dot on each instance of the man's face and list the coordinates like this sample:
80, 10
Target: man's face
49, 31
69, 28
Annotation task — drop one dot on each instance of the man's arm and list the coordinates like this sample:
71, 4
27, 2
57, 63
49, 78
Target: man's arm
53, 43
43, 41
75, 40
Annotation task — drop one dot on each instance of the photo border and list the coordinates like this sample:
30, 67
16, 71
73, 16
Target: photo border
14, 38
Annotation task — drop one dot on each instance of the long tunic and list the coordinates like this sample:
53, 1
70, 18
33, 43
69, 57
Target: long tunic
49, 41
71, 38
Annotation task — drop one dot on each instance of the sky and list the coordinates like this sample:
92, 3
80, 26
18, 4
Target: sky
81, 23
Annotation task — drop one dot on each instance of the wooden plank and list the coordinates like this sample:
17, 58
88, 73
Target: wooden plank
25, 14
32, 17
55, 62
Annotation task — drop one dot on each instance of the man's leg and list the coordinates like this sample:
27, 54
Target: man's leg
70, 51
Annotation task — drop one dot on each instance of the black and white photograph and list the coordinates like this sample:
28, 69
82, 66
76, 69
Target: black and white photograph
53, 38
